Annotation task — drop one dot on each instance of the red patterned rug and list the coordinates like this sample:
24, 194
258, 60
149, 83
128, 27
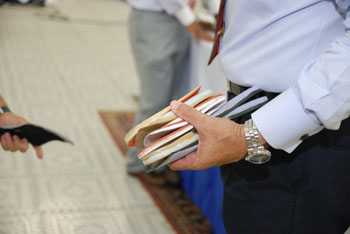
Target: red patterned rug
173, 202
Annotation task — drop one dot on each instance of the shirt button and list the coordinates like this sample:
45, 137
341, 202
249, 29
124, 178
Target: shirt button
304, 137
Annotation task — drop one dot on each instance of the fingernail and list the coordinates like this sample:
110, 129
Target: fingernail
174, 105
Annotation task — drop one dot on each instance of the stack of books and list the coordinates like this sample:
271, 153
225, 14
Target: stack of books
167, 138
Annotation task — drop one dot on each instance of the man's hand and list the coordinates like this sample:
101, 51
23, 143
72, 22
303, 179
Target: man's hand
221, 141
14, 143
198, 32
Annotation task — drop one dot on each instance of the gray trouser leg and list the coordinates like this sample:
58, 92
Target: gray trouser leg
160, 45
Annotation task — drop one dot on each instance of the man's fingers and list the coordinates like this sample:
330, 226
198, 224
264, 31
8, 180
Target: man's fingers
15, 143
3, 142
205, 36
185, 163
189, 114
21, 145
39, 151
202, 35
198, 32
9, 142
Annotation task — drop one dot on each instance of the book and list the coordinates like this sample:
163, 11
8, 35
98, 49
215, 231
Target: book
209, 105
179, 144
130, 137
167, 138
136, 135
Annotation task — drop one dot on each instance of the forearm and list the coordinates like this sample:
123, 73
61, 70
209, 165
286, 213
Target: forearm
320, 99
324, 84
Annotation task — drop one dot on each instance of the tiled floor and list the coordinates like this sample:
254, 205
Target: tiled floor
58, 67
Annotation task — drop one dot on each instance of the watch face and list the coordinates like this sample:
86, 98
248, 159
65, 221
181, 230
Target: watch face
259, 158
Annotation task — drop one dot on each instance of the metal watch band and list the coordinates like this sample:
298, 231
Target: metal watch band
4, 109
257, 154
252, 136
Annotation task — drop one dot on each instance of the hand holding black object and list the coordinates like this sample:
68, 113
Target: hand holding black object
14, 143
16, 133
36, 135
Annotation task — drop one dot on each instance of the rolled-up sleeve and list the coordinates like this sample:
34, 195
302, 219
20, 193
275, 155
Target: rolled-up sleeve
320, 98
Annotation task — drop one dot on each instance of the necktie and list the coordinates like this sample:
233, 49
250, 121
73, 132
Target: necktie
218, 32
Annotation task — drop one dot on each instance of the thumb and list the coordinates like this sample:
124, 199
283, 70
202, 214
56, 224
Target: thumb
189, 114
39, 151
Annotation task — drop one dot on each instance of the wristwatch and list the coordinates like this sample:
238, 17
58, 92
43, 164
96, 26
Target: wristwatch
257, 154
4, 109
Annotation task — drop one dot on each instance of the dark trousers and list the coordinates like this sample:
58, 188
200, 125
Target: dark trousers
306, 192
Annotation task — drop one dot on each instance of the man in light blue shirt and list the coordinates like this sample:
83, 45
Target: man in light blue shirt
300, 49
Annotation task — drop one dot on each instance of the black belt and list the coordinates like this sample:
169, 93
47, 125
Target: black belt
237, 89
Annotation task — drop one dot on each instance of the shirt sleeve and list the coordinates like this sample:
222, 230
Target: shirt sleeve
320, 98
180, 9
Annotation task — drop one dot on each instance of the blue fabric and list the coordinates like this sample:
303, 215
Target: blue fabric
206, 191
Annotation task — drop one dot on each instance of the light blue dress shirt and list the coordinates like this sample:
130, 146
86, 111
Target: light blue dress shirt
300, 48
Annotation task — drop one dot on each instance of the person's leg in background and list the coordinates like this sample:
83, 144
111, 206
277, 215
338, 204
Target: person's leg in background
160, 45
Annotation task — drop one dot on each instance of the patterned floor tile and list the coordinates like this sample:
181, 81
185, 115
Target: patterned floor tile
94, 222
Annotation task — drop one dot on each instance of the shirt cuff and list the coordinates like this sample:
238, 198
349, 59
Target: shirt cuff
283, 122
213, 7
185, 15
